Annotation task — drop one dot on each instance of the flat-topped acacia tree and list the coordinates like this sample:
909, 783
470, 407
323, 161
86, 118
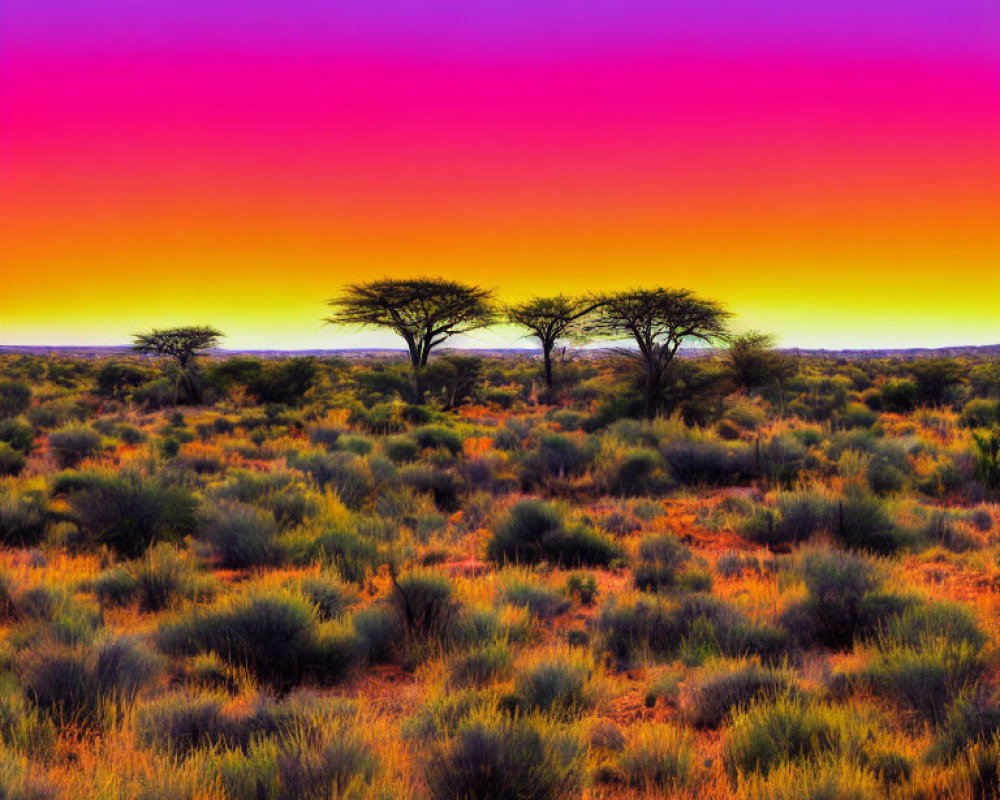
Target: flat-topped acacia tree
424, 312
182, 346
550, 319
658, 320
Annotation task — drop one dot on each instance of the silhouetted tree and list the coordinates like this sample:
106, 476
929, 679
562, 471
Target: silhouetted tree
182, 346
550, 319
423, 311
659, 321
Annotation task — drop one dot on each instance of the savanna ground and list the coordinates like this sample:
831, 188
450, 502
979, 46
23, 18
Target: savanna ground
785, 586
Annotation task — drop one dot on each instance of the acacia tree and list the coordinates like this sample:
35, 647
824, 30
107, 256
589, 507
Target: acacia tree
659, 321
424, 312
182, 346
753, 362
550, 319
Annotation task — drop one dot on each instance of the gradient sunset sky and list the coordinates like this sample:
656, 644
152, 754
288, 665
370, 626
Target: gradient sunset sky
829, 169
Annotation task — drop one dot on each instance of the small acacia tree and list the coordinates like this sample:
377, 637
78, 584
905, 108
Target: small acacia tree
550, 319
659, 321
182, 346
753, 363
424, 312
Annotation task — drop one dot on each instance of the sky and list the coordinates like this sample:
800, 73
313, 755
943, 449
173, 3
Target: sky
829, 170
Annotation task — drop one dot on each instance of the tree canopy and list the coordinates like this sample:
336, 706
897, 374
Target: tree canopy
183, 345
424, 312
658, 321
550, 319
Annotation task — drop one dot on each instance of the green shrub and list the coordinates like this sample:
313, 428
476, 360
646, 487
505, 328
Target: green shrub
483, 664
401, 448
726, 687
981, 412
816, 779
18, 436
11, 461
658, 756
128, 511
695, 626
988, 458
430, 436
23, 517
78, 684
639, 471
275, 635
543, 602
583, 587
927, 676
155, 581
556, 685
498, 758
347, 474
424, 604
660, 557
441, 484
768, 734
837, 583
706, 463
974, 716
15, 397
532, 531
69, 446
240, 535
377, 628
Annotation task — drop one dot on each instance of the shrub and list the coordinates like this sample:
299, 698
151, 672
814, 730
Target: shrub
424, 603
480, 666
698, 626
240, 535
981, 412
23, 516
434, 437
858, 521
20, 778
77, 684
928, 676
558, 456
17, 435
347, 474
156, 581
837, 583
817, 779
11, 461
340, 765
533, 531
275, 635
583, 587
556, 685
660, 556
973, 717
441, 484
328, 593
658, 756
637, 472
377, 628
706, 463
726, 687
498, 758
543, 602
401, 448
184, 722
15, 397
789, 729
71, 445
988, 458
128, 511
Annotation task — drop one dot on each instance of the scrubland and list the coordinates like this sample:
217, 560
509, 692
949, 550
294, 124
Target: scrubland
306, 588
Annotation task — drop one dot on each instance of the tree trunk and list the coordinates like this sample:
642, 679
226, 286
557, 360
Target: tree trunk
652, 399
418, 385
547, 357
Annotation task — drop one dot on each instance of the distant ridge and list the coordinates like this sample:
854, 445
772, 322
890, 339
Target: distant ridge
903, 354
